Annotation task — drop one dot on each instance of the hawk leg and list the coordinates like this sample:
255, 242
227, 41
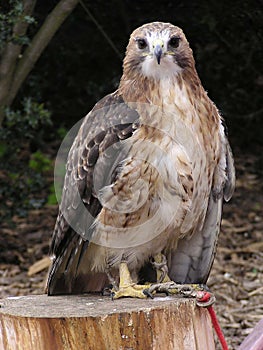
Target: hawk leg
127, 288
111, 279
165, 284
159, 262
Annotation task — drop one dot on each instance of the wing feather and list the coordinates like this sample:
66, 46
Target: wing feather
192, 260
92, 160
230, 173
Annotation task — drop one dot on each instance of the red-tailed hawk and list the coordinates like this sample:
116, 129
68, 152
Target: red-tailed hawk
145, 176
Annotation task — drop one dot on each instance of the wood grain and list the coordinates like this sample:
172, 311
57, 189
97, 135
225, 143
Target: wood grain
97, 323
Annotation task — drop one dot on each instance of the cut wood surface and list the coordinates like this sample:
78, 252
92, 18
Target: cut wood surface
40, 322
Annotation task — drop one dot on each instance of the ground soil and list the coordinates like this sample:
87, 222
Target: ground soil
236, 277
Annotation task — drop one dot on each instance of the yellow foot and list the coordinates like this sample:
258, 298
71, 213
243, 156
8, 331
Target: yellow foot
127, 288
133, 291
176, 288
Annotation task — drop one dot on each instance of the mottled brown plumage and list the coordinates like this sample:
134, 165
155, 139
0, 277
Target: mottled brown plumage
147, 173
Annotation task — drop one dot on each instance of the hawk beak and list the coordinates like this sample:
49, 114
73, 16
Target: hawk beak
158, 53
158, 49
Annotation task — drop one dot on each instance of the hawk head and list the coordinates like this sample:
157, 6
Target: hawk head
157, 50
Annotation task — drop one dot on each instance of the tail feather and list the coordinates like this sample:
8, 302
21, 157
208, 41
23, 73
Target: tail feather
66, 275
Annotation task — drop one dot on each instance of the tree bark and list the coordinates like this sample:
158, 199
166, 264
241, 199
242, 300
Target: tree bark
10, 55
98, 323
19, 72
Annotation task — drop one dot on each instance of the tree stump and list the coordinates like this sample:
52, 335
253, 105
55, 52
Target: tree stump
40, 322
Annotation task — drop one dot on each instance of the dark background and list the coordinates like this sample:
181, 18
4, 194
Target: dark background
79, 66
74, 72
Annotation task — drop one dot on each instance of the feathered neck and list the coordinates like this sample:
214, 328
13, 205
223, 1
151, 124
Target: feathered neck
142, 89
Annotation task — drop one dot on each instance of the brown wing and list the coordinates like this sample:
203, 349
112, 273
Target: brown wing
100, 138
193, 258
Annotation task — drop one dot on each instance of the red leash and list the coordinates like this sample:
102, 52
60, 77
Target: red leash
205, 299
217, 327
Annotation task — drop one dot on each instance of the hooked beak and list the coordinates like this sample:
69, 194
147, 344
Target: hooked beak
158, 53
158, 49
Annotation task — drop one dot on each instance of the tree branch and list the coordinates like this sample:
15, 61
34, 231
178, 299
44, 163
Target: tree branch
52, 23
11, 53
13, 74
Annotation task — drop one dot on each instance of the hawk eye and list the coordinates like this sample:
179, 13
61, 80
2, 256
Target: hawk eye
141, 43
174, 42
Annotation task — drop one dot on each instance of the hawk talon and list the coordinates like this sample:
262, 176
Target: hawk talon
204, 287
107, 290
147, 293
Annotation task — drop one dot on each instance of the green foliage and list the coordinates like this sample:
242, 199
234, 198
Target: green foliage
62, 132
23, 174
52, 197
40, 162
11, 12
24, 123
